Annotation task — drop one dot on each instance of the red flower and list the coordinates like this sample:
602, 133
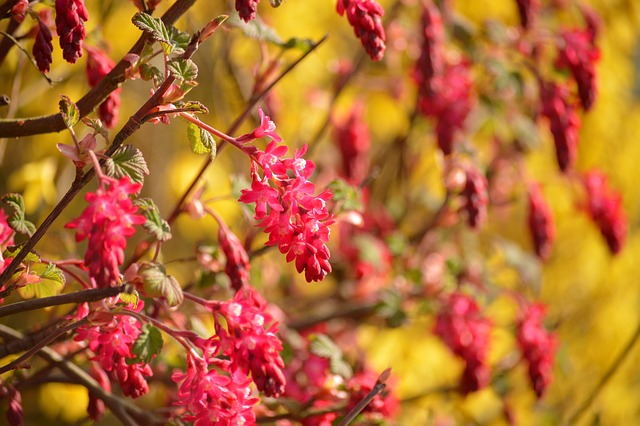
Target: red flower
237, 266
354, 141
106, 222
475, 197
365, 18
42, 47
541, 224
579, 55
266, 128
563, 121
384, 405
247, 9
538, 347
605, 208
462, 328
70, 18
98, 66
431, 63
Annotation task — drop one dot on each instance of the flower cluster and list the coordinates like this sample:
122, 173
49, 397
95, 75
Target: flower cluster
237, 266
354, 141
579, 55
70, 18
605, 208
19, 10
42, 47
528, 10
14, 412
538, 347
99, 65
214, 399
541, 224
296, 220
563, 121
109, 218
148, 6
250, 341
462, 328
96, 407
383, 406
365, 18
475, 197
247, 9
112, 343
431, 62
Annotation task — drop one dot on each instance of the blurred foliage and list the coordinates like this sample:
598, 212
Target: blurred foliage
594, 298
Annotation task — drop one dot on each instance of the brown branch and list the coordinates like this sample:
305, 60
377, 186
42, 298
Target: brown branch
6, 7
6, 44
53, 123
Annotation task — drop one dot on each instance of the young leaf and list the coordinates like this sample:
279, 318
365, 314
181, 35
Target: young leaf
340, 367
69, 111
200, 140
155, 225
97, 126
155, 27
127, 161
17, 220
157, 283
51, 283
183, 69
12, 252
149, 72
192, 106
179, 40
148, 344
130, 297
324, 347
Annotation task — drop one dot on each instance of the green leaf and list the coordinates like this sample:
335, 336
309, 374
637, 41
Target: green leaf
51, 283
149, 72
69, 111
179, 40
256, 29
127, 161
157, 283
200, 140
183, 69
12, 252
155, 27
148, 344
303, 44
131, 297
17, 220
340, 367
322, 346
155, 224
349, 197
192, 106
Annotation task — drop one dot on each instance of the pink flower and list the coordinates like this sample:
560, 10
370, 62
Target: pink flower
6, 233
385, 405
42, 47
267, 128
431, 63
251, 342
365, 16
354, 141
606, 210
19, 10
538, 347
96, 407
98, 66
15, 412
237, 266
247, 9
70, 18
475, 197
462, 328
563, 121
213, 399
541, 224
106, 222
579, 55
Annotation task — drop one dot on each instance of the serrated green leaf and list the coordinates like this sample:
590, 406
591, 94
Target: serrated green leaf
256, 29
200, 140
17, 220
127, 161
148, 344
12, 252
340, 367
179, 40
155, 27
157, 283
192, 106
51, 283
155, 224
69, 111
149, 72
183, 69
133, 298
322, 346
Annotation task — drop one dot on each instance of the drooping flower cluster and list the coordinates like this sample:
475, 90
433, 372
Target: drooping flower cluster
42, 47
109, 218
541, 224
538, 347
99, 65
112, 345
96, 407
70, 18
214, 399
296, 220
432, 61
606, 210
528, 10
365, 16
247, 9
383, 406
475, 197
237, 266
579, 54
354, 141
564, 122
14, 412
462, 328
250, 341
